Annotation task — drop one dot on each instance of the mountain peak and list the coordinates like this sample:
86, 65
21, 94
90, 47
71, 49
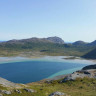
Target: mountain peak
35, 39
56, 39
93, 43
79, 43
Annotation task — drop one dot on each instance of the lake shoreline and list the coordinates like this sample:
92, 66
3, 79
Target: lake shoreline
54, 60
45, 58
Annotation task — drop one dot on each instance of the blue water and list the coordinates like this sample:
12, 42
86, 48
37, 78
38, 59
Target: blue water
31, 71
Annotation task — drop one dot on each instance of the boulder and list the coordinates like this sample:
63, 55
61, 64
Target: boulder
5, 92
80, 74
7, 83
57, 94
1, 95
18, 91
29, 90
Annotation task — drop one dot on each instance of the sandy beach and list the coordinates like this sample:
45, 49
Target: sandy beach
47, 58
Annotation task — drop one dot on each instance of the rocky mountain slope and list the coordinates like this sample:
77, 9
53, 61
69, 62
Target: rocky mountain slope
42, 40
7, 83
55, 40
88, 71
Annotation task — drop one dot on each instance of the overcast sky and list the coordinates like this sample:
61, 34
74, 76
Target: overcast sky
71, 20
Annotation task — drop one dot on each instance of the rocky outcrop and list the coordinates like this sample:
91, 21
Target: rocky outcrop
55, 40
80, 74
88, 71
58, 94
30, 90
7, 83
1, 95
5, 92
18, 91
35, 39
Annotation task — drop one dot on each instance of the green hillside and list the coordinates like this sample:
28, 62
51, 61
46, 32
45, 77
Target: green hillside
82, 87
43, 46
90, 55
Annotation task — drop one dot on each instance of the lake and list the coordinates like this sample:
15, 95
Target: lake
37, 69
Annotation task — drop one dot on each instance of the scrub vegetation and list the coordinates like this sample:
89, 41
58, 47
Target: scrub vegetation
79, 87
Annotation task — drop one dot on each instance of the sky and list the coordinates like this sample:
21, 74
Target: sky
71, 20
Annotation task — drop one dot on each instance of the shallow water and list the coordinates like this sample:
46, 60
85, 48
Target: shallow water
25, 70
31, 71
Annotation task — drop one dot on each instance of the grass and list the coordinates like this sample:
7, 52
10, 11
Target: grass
15, 49
79, 87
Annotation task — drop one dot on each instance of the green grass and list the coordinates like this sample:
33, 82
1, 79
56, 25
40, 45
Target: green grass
3, 88
79, 87
43, 49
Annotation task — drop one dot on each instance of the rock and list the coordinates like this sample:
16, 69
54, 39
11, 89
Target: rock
55, 40
80, 74
7, 83
1, 95
5, 92
18, 91
29, 90
57, 94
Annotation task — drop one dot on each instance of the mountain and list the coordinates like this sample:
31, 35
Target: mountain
33, 46
92, 43
79, 43
90, 55
55, 40
54, 46
43, 40
30, 40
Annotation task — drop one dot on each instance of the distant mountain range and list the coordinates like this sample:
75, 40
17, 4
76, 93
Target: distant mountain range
54, 39
46, 46
34, 39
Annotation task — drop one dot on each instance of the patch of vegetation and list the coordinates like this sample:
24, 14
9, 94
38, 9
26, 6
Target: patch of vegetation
3, 88
79, 87
43, 48
90, 55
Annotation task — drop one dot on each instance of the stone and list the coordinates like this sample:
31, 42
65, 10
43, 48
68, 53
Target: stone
5, 92
1, 95
29, 90
7, 83
80, 74
18, 91
57, 94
